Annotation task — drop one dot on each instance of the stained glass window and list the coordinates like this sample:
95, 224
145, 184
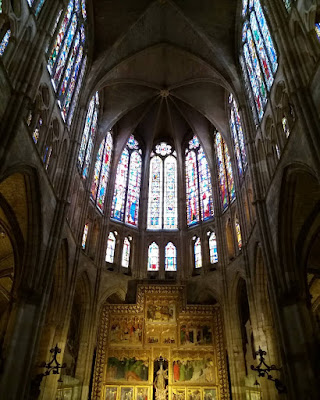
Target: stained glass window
111, 246
260, 62
225, 174
67, 59
47, 155
162, 203
285, 127
153, 257
125, 253
36, 132
197, 253
84, 236
101, 172
30, 2
125, 203
287, 4
5, 41
237, 134
317, 29
89, 131
170, 257
238, 234
198, 184
213, 248
39, 6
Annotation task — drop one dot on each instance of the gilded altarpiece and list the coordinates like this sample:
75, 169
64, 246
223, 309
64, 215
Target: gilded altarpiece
160, 348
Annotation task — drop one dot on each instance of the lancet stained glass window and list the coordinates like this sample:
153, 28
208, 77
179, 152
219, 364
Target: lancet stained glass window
317, 29
67, 59
111, 246
238, 234
170, 256
153, 257
125, 203
101, 172
4, 42
198, 184
162, 203
84, 236
125, 253
225, 174
213, 249
287, 4
197, 253
259, 59
89, 131
237, 134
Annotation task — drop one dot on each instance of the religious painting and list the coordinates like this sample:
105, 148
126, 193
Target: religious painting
178, 394
161, 312
127, 369
210, 394
194, 371
126, 393
142, 393
194, 394
153, 339
195, 334
111, 393
168, 336
126, 330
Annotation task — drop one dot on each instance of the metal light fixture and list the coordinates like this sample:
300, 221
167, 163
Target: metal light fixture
264, 370
52, 366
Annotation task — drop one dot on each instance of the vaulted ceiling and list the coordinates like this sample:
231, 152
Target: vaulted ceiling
164, 68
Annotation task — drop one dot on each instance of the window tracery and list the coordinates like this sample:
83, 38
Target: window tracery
225, 174
170, 257
198, 184
237, 134
162, 200
259, 59
125, 203
153, 257
89, 131
67, 59
111, 246
101, 172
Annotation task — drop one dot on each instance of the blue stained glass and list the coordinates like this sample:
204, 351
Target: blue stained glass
244, 7
205, 186
132, 143
266, 35
194, 143
64, 52
155, 194
261, 51
192, 188
38, 9
236, 142
68, 70
105, 170
119, 195
153, 257
317, 29
68, 97
287, 4
30, 2
86, 131
90, 144
133, 192
249, 91
170, 257
77, 92
83, 9
170, 193
213, 248
4, 42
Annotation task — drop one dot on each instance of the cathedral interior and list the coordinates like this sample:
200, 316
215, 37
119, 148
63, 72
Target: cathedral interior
159, 199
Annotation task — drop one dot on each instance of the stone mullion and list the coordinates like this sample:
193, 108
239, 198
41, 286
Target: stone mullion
297, 89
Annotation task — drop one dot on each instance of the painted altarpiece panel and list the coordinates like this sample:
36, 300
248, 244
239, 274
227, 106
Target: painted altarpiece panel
160, 329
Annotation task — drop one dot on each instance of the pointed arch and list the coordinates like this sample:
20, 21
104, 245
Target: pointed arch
153, 257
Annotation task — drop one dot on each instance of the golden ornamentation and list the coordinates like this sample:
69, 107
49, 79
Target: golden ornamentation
160, 325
